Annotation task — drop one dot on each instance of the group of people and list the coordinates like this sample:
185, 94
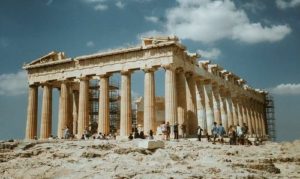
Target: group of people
236, 134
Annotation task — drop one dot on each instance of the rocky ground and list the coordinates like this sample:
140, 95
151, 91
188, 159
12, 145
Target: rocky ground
117, 159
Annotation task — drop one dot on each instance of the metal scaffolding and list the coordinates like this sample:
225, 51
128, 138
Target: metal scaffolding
270, 116
114, 105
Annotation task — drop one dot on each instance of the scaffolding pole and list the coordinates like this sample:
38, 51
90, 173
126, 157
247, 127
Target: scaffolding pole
270, 116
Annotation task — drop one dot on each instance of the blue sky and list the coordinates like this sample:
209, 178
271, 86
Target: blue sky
257, 40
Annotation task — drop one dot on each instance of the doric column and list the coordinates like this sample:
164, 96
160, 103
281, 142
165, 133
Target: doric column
181, 99
257, 120
201, 113
191, 105
224, 119
46, 122
253, 117
243, 111
216, 103
31, 125
262, 114
228, 102
249, 116
208, 105
149, 101
239, 111
103, 115
70, 108
64, 106
170, 95
75, 100
83, 107
234, 111
126, 121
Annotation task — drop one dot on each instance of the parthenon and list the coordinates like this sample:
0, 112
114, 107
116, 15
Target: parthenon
197, 93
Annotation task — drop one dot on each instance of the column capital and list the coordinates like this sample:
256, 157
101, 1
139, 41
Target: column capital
189, 74
83, 78
106, 75
126, 72
149, 69
207, 81
169, 67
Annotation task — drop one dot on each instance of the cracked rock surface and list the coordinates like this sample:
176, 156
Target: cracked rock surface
119, 159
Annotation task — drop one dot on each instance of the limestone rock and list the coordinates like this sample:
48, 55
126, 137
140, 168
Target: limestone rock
151, 144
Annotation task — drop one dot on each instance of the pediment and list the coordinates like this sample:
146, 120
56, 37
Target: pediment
50, 57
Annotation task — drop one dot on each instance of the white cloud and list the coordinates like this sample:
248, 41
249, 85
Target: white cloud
13, 84
283, 4
209, 21
209, 54
120, 4
100, 7
151, 19
90, 44
286, 89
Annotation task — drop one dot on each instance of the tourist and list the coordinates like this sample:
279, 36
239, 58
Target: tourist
239, 133
99, 136
130, 137
175, 129
142, 136
232, 135
221, 133
168, 130
136, 134
159, 132
151, 135
164, 130
214, 132
183, 130
245, 133
199, 133
66, 133
206, 135
86, 134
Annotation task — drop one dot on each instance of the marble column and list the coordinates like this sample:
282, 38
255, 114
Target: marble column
234, 111
257, 120
201, 113
32, 107
223, 110
239, 112
228, 102
263, 115
64, 106
170, 96
208, 105
252, 116
46, 122
243, 111
103, 115
83, 107
181, 99
216, 103
70, 108
249, 116
149, 101
126, 121
191, 105
75, 100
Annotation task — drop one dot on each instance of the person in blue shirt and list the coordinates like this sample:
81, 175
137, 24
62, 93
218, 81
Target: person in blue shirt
214, 132
221, 132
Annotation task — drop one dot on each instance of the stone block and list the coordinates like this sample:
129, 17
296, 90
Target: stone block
151, 144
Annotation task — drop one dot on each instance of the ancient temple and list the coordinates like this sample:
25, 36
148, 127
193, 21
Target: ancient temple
197, 93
